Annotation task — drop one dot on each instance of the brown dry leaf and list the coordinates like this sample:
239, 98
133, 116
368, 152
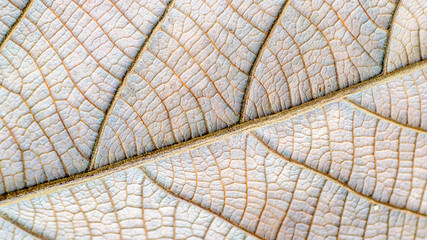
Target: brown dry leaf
218, 119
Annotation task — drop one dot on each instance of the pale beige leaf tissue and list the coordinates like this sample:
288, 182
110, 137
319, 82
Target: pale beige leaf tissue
225, 119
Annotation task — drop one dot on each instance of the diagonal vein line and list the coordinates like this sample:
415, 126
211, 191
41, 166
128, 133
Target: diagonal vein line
169, 192
341, 184
389, 33
179, 148
386, 119
144, 47
21, 227
258, 58
15, 24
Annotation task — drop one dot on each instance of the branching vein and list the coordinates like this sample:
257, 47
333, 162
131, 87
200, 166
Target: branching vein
258, 58
144, 47
387, 119
341, 184
182, 147
167, 191
16, 24
21, 227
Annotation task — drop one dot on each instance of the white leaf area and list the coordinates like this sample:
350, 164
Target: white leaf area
225, 119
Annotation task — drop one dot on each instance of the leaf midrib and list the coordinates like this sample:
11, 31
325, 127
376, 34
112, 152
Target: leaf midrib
179, 148
182, 147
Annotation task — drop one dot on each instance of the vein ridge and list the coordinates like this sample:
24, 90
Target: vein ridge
21, 227
144, 47
15, 24
341, 184
170, 193
389, 32
383, 118
179, 148
258, 57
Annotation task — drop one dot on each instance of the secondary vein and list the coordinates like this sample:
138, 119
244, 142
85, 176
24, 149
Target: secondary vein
258, 58
383, 118
341, 184
144, 47
15, 24
182, 147
171, 193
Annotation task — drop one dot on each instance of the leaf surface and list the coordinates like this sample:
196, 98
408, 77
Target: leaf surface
226, 119
275, 197
317, 48
57, 80
10, 10
126, 206
190, 80
402, 100
9, 231
409, 31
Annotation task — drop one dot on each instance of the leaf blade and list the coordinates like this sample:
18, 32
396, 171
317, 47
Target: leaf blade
179, 148
52, 102
164, 103
130, 204
284, 198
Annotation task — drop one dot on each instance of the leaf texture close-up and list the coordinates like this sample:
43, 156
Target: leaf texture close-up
225, 119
